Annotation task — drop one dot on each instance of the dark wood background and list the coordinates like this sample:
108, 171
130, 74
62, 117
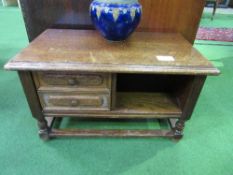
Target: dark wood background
181, 16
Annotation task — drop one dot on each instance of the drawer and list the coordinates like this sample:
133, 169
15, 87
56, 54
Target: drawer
74, 101
72, 80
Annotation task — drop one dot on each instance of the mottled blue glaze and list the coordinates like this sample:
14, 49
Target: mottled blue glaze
115, 21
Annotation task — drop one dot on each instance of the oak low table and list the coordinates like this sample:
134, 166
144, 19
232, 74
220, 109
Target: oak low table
77, 73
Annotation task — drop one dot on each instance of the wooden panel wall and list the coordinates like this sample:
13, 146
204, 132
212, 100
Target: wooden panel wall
172, 16
158, 15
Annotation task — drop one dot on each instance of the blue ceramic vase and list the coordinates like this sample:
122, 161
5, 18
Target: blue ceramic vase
115, 19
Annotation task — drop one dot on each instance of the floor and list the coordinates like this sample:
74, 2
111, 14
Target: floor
207, 147
223, 18
9, 2
219, 10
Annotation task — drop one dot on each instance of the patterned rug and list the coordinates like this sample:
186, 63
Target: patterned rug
215, 34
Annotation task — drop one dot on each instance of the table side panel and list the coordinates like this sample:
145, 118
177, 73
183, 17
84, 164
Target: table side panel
188, 95
31, 95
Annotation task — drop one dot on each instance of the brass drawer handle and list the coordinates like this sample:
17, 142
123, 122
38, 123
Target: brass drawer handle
74, 102
72, 81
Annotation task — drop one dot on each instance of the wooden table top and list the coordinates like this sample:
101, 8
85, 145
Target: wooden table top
86, 50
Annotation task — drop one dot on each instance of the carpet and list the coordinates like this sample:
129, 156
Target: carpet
215, 34
205, 149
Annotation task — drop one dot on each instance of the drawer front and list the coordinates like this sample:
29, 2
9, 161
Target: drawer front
72, 101
72, 80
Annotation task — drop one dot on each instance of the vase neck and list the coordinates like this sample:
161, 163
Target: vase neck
118, 1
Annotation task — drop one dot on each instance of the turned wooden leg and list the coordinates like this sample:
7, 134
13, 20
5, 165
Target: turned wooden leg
43, 130
178, 129
215, 7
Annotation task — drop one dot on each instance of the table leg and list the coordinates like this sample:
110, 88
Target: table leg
34, 104
178, 129
43, 130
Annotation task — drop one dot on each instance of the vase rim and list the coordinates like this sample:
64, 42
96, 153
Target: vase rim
117, 1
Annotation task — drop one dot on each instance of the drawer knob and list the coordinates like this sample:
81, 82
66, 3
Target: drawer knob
74, 102
72, 82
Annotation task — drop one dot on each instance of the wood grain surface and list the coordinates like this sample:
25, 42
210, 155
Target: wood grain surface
84, 50
110, 133
72, 81
74, 101
180, 16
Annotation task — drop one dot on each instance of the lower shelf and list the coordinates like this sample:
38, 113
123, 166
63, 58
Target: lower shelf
112, 133
161, 104
56, 130
132, 105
